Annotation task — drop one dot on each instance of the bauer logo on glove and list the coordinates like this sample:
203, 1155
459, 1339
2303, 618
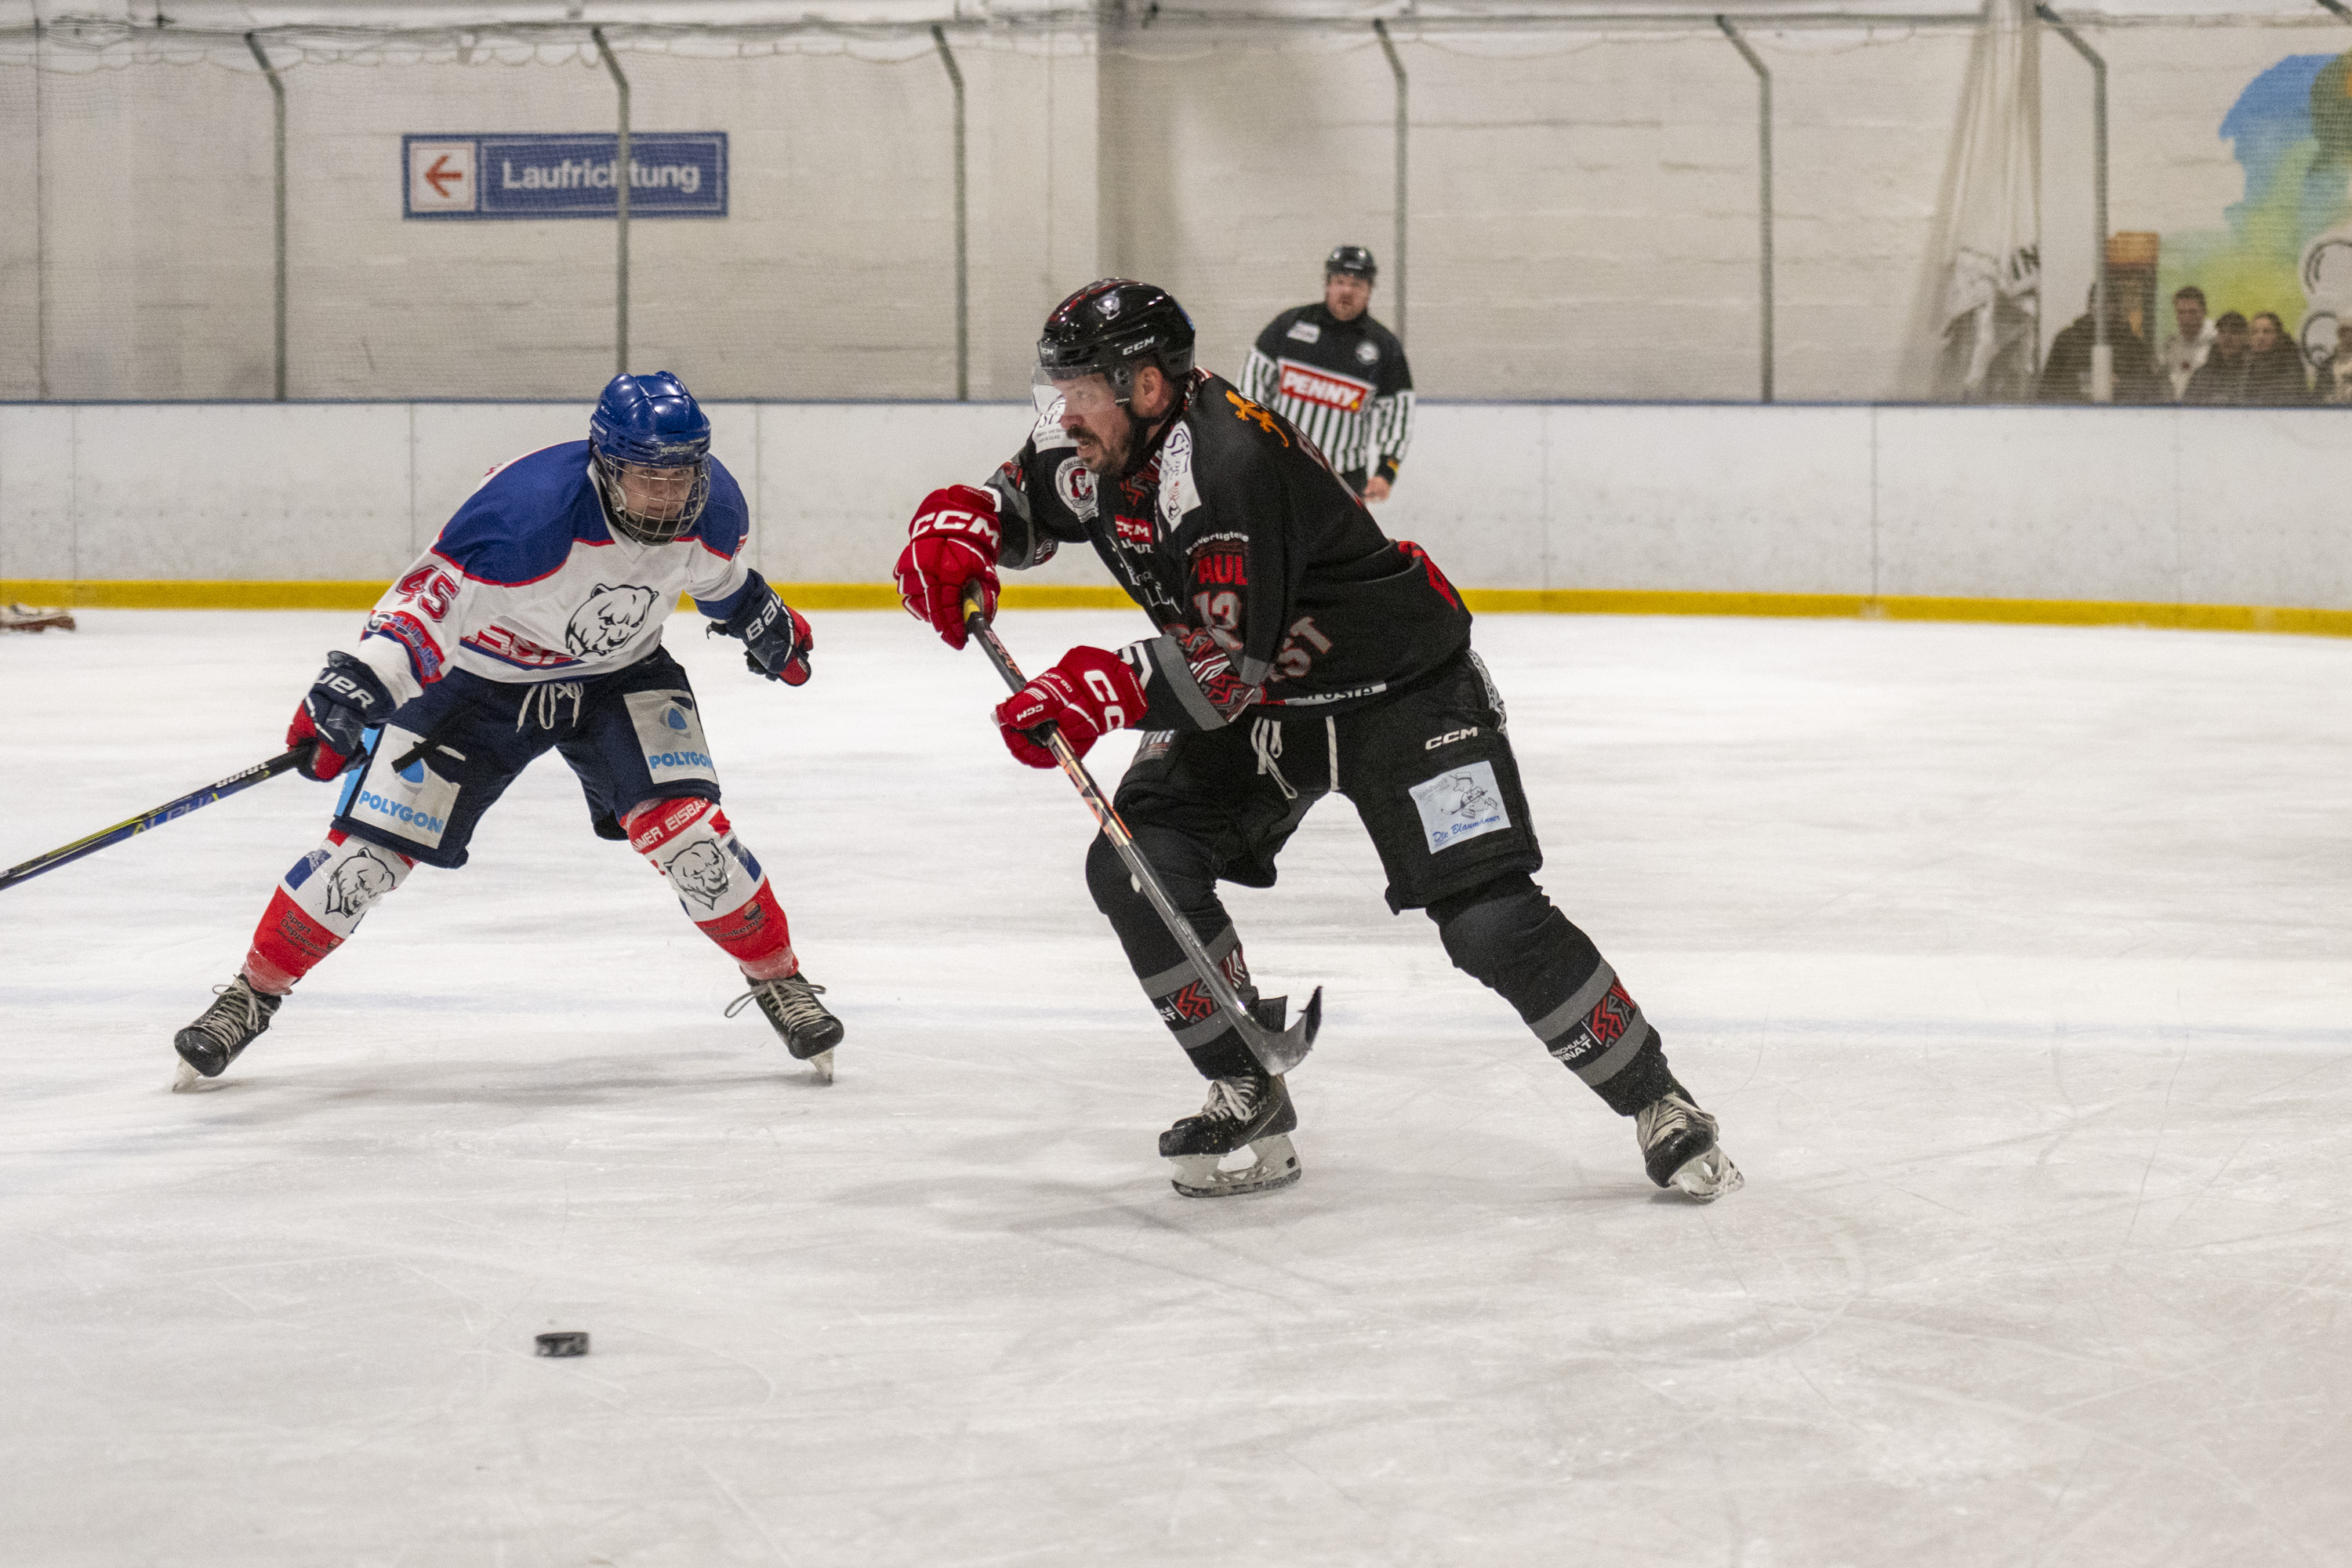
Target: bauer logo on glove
776, 640
347, 698
1090, 693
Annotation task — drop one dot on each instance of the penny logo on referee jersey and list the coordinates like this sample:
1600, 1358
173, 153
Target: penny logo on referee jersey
1323, 388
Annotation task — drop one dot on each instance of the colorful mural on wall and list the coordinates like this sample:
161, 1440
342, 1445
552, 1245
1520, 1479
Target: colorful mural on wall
2288, 245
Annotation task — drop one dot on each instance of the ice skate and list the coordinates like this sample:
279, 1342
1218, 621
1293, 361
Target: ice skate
237, 1015
1679, 1148
790, 1004
1252, 1112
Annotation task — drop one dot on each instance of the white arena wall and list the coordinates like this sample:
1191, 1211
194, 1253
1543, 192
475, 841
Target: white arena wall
2090, 506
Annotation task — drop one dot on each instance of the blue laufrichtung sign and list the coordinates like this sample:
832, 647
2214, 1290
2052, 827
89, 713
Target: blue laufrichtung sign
672, 173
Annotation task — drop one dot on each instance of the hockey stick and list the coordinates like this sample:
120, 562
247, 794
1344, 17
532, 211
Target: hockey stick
1277, 1050
170, 811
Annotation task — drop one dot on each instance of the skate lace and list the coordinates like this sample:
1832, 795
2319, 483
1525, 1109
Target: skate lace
1664, 1117
1231, 1099
220, 1021
794, 997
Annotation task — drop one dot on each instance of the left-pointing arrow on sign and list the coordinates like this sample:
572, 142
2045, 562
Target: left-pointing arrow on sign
440, 176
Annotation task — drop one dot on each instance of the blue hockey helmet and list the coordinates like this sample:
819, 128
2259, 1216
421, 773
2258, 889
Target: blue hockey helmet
651, 422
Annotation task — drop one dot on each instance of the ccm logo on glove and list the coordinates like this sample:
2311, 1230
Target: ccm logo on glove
952, 544
1090, 693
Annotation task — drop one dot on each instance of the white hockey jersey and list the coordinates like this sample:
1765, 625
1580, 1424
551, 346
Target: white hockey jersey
529, 583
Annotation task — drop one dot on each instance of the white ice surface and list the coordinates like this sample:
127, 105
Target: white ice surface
2014, 960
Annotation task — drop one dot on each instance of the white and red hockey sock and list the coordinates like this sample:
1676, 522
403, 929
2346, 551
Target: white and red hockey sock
718, 882
317, 904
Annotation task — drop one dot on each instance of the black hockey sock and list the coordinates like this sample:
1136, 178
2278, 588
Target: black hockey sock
1186, 870
1507, 936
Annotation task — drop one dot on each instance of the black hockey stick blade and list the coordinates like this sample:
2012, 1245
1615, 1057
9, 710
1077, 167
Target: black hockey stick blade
1276, 1049
170, 811
1279, 1051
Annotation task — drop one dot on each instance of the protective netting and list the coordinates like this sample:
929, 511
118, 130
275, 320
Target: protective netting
1581, 207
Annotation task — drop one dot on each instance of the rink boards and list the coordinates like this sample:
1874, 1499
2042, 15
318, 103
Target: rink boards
2204, 517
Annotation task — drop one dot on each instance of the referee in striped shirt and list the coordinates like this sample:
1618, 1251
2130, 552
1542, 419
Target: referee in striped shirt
1340, 376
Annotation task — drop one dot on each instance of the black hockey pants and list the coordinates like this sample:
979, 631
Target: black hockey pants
1429, 772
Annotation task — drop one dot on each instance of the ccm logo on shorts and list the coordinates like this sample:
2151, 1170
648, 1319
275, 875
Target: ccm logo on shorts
669, 734
1459, 804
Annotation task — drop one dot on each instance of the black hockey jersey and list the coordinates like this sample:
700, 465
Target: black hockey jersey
1345, 383
1270, 582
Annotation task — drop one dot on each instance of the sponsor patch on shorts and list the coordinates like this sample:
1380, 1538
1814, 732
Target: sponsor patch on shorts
1459, 804
413, 804
669, 734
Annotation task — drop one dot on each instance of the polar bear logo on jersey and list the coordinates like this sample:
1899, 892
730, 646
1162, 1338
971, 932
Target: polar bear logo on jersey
358, 883
608, 620
701, 870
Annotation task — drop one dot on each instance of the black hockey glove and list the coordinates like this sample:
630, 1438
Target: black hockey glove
776, 640
347, 698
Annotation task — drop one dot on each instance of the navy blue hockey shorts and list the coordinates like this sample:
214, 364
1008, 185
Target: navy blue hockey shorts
631, 737
1429, 769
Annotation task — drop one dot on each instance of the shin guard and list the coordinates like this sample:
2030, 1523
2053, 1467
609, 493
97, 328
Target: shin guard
719, 883
1190, 1013
318, 903
1177, 994
1507, 936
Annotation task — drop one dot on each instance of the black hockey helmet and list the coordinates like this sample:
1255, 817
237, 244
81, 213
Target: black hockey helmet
1113, 328
1353, 261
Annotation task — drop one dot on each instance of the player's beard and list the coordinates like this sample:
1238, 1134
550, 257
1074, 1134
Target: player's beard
1103, 451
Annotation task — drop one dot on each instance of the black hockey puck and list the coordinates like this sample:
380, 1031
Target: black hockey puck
571, 1341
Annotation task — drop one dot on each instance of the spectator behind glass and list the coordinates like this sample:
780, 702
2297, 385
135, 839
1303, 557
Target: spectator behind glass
2336, 382
2066, 373
2220, 381
2185, 350
2274, 378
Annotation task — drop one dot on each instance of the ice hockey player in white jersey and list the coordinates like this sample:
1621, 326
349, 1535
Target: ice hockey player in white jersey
534, 623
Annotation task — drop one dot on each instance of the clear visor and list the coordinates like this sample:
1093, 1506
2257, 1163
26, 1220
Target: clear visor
1088, 397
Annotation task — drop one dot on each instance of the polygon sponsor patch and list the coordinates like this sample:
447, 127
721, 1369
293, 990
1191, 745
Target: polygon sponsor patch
669, 734
413, 804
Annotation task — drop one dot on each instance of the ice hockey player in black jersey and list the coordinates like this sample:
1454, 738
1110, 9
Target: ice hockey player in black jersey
1340, 376
1299, 653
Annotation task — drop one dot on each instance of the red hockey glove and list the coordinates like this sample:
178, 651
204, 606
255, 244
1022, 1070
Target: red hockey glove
347, 698
325, 760
1089, 693
953, 542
